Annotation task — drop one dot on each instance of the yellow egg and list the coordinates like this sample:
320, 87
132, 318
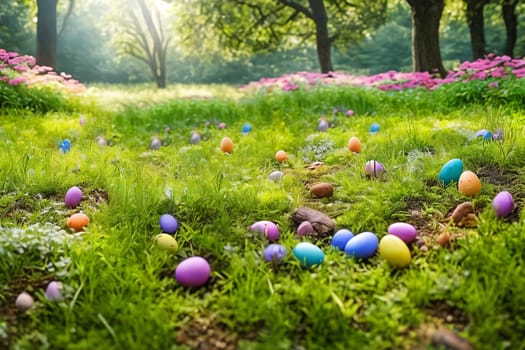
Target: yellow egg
469, 184
166, 242
227, 145
354, 145
394, 250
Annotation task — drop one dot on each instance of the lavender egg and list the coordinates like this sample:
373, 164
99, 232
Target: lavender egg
362, 245
340, 239
274, 252
193, 272
267, 228
503, 204
374, 168
73, 197
406, 232
276, 176
54, 291
169, 224
305, 229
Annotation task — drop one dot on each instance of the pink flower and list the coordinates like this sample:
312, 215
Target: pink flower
17, 81
349, 113
493, 85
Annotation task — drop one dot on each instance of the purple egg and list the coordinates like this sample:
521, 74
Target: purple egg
374, 168
340, 239
54, 291
193, 272
503, 204
73, 197
267, 228
362, 245
305, 229
274, 252
169, 224
406, 232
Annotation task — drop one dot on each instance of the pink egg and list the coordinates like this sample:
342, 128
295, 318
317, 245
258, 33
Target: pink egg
406, 232
193, 272
305, 229
374, 168
267, 228
73, 197
503, 204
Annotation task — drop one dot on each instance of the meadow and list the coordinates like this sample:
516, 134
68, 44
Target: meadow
462, 289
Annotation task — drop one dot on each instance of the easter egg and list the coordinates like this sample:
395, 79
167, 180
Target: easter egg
322, 190
340, 239
193, 272
481, 133
373, 168
54, 291
503, 204
308, 254
406, 232
221, 125
349, 113
101, 141
488, 136
394, 250
281, 156
65, 146
78, 221
276, 176
227, 145
451, 171
323, 125
246, 128
274, 252
267, 228
166, 242
24, 302
498, 135
195, 138
168, 223
73, 197
354, 145
305, 229
362, 245
155, 143
374, 128
469, 183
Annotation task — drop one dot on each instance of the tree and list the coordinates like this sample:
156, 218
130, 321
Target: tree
47, 33
255, 26
475, 21
143, 37
426, 55
508, 11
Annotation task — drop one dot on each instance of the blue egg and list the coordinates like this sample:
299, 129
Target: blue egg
246, 128
168, 224
374, 128
362, 245
340, 238
487, 136
308, 254
451, 171
481, 133
65, 146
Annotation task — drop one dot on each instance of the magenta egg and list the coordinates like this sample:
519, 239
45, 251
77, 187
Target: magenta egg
503, 204
267, 228
73, 197
374, 168
305, 229
193, 272
406, 232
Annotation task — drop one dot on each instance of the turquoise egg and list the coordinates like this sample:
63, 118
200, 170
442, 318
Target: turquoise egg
362, 245
451, 171
308, 254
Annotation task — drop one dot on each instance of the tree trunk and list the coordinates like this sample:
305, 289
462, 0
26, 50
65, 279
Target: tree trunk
323, 41
47, 33
426, 55
475, 21
508, 10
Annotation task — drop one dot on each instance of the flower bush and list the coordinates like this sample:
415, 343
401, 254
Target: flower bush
24, 84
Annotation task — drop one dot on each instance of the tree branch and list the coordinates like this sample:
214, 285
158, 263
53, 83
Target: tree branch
298, 7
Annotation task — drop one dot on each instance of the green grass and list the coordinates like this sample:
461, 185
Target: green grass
119, 287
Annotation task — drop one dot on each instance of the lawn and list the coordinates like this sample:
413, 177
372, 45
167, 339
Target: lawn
461, 288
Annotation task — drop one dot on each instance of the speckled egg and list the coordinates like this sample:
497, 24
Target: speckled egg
308, 254
193, 272
274, 252
394, 250
73, 197
373, 168
340, 238
451, 171
469, 184
78, 221
362, 245
267, 228
166, 242
503, 204
406, 232
354, 145
168, 224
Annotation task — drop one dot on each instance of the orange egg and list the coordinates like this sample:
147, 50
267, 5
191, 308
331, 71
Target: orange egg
78, 221
354, 145
469, 184
281, 156
227, 145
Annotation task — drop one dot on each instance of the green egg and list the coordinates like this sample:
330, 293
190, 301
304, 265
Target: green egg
166, 242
